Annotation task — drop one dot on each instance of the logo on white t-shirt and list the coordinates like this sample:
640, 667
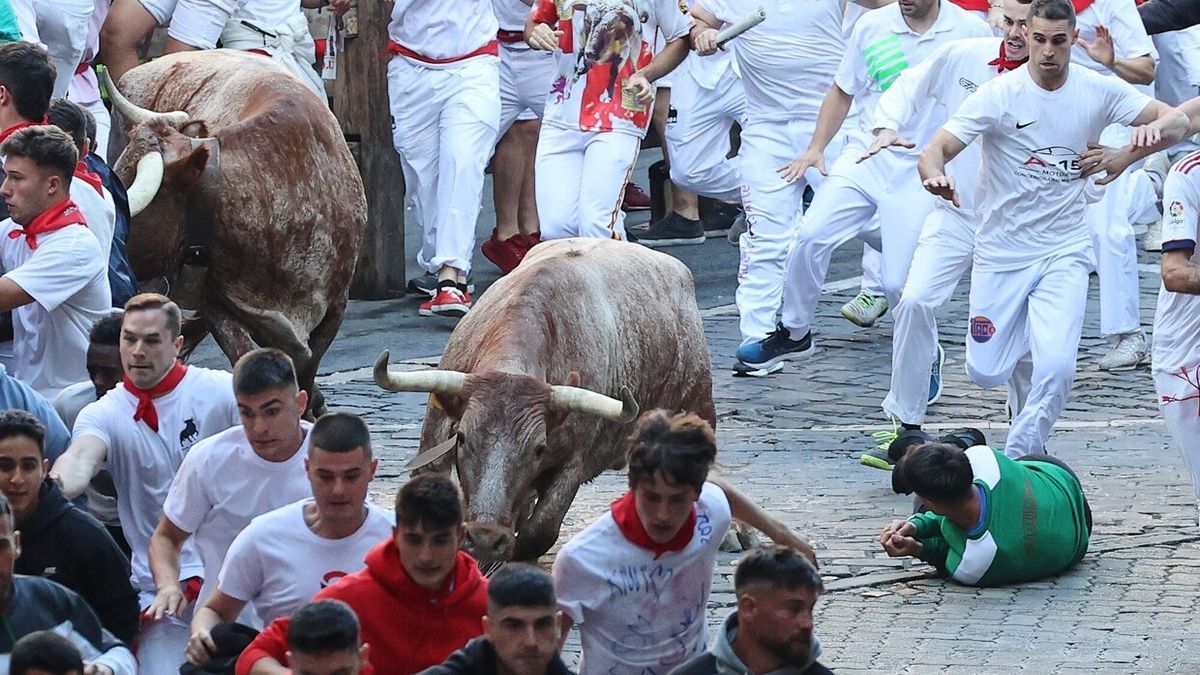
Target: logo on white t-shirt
1055, 163
332, 578
190, 433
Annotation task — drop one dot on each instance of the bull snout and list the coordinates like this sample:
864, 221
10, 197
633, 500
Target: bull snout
489, 541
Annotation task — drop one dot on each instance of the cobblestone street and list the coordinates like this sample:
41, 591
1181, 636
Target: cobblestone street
791, 441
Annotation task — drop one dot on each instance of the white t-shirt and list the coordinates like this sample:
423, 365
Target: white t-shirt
1030, 194
265, 14
222, 485
511, 14
1129, 36
637, 614
882, 46
1177, 318
277, 563
437, 29
98, 210
72, 399
788, 60
948, 77
67, 276
143, 462
607, 35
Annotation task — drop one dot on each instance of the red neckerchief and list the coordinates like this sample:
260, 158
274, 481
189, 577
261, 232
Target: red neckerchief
56, 217
624, 512
145, 407
17, 127
1004, 63
1081, 5
90, 177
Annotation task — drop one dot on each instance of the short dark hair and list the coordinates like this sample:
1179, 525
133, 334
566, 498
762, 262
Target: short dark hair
323, 627
21, 423
680, 446
1052, 10
47, 146
777, 567
340, 432
937, 471
107, 329
431, 500
148, 301
262, 370
45, 651
520, 585
28, 73
71, 118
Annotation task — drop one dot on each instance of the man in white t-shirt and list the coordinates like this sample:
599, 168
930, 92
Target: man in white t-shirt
141, 431
56, 278
230, 478
1029, 279
282, 558
637, 579
882, 44
1176, 362
599, 106
947, 239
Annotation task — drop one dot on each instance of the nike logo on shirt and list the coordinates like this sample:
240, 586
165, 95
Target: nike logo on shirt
1022, 125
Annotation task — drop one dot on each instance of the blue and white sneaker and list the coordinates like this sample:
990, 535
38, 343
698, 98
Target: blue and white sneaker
935, 378
769, 353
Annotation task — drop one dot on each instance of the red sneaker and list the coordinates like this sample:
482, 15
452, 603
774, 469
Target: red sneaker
449, 301
635, 199
505, 254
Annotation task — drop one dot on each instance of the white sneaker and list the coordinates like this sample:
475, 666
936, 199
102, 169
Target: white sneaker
1130, 352
865, 309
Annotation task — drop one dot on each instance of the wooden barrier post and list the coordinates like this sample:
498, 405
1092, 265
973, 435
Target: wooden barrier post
360, 102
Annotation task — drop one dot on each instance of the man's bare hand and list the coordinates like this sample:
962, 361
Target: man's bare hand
1145, 136
1103, 159
168, 601
705, 42
1101, 50
200, 648
798, 544
900, 546
96, 669
339, 7
942, 186
794, 169
543, 37
885, 138
643, 92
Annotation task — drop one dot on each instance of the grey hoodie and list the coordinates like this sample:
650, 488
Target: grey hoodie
720, 659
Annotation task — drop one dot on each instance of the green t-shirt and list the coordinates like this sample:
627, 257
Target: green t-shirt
9, 30
1034, 524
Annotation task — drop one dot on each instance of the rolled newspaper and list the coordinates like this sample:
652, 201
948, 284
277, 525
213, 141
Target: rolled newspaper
729, 32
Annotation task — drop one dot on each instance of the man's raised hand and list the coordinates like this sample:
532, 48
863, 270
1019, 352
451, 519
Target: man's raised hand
942, 186
794, 169
885, 138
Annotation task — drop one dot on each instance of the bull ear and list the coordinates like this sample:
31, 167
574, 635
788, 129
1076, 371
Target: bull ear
449, 404
186, 171
195, 129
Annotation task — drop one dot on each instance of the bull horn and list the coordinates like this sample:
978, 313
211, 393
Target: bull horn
586, 401
146, 182
448, 382
135, 113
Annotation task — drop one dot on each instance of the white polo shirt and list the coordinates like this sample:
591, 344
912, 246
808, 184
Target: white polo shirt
143, 462
277, 563
1177, 317
637, 614
1031, 197
222, 485
67, 276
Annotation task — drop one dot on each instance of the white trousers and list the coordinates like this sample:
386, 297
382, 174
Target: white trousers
1179, 400
943, 253
1036, 312
525, 78
444, 124
161, 644
697, 133
872, 268
61, 25
580, 180
841, 211
1116, 248
773, 209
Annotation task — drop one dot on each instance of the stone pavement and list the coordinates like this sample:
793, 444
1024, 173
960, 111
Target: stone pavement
791, 440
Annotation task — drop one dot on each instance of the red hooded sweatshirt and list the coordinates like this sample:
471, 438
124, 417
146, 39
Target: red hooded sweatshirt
408, 628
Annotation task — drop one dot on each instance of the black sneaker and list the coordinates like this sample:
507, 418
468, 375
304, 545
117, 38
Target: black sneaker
672, 230
774, 349
427, 284
719, 218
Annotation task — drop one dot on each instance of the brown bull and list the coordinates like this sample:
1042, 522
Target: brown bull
576, 313
251, 168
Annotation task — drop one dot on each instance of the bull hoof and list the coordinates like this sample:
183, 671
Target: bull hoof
740, 537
